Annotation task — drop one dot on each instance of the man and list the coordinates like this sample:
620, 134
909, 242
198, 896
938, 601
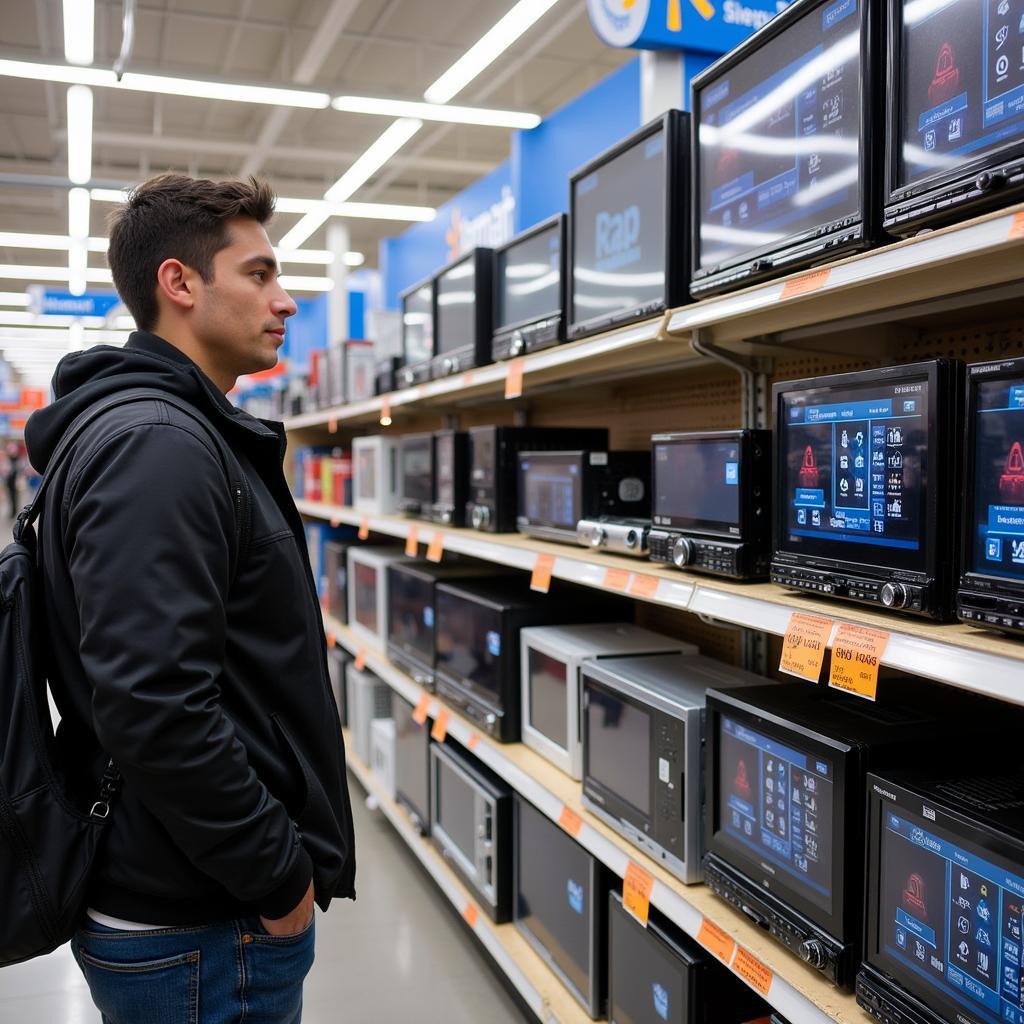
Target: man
186, 639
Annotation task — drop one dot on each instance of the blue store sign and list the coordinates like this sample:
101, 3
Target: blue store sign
48, 301
712, 26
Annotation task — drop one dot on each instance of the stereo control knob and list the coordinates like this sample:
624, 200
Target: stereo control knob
481, 516
813, 952
448, 365
517, 345
489, 718
597, 536
894, 595
682, 552
632, 539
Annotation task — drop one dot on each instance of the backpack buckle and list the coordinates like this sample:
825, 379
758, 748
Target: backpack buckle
21, 522
100, 810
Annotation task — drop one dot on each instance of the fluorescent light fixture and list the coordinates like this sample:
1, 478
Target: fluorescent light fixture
28, 240
391, 140
321, 256
484, 52
298, 283
76, 337
23, 318
354, 259
40, 335
78, 31
78, 261
109, 195
299, 232
435, 112
79, 134
18, 272
13, 298
78, 215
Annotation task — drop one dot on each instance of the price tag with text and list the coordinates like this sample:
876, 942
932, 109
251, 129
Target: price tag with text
1017, 227
805, 283
616, 579
419, 714
636, 892
715, 941
412, 542
803, 648
570, 821
752, 971
440, 729
361, 659
542, 569
644, 585
856, 656
364, 528
514, 379
435, 549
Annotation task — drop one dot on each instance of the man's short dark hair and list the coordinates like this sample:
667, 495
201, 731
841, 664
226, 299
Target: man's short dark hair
174, 216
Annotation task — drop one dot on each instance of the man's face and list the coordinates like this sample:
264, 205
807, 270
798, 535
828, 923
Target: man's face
239, 316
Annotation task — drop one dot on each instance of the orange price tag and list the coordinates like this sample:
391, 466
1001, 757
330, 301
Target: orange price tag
856, 655
803, 648
412, 542
644, 585
714, 940
1017, 227
636, 892
364, 528
436, 547
361, 659
467, 379
616, 579
752, 971
332, 425
514, 379
419, 715
805, 283
440, 729
332, 640
570, 821
335, 522
470, 915
542, 569
385, 411
474, 739
421, 391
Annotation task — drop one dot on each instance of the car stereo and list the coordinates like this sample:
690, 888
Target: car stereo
463, 294
416, 458
417, 334
451, 478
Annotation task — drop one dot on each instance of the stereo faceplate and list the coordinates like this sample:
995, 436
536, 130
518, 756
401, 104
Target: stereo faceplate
914, 596
733, 559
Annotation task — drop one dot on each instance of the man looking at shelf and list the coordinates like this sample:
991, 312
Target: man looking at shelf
186, 643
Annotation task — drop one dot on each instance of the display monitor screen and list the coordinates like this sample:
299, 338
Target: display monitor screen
456, 809
554, 900
418, 468
456, 306
444, 469
547, 697
411, 613
618, 227
962, 82
550, 491
482, 455
418, 324
950, 918
697, 485
776, 800
618, 747
468, 642
854, 464
529, 278
366, 472
998, 526
366, 595
779, 137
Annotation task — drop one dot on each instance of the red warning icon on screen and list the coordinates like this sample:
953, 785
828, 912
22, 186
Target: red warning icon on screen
809, 470
913, 895
741, 784
946, 82
1011, 483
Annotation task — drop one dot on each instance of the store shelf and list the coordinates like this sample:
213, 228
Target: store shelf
958, 655
539, 988
620, 352
796, 991
959, 260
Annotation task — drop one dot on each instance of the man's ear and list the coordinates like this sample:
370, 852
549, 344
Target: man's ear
176, 283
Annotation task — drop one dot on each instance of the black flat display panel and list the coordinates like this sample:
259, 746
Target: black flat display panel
444, 460
779, 137
418, 324
697, 485
456, 306
547, 697
455, 811
619, 747
411, 617
418, 468
551, 491
854, 468
468, 642
962, 83
530, 279
365, 584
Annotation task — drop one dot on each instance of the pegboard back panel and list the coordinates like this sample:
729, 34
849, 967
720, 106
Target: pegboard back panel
715, 641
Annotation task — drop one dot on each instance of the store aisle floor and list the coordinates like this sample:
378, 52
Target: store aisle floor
397, 954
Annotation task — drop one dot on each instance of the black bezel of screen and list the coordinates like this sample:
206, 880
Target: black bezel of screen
470, 258
427, 282
783, 884
559, 221
940, 181
676, 126
994, 845
406, 443
871, 114
811, 552
1007, 370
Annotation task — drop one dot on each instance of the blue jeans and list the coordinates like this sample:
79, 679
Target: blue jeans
228, 973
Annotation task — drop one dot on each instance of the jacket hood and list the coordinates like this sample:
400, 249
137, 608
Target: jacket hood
83, 378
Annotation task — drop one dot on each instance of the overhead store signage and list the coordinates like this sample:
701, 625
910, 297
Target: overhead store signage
49, 302
712, 26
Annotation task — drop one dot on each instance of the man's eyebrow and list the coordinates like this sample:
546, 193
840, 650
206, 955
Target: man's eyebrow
262, 261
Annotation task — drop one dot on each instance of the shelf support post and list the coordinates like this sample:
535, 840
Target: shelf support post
754, 390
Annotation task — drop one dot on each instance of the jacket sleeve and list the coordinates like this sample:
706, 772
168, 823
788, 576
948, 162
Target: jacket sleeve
150, 525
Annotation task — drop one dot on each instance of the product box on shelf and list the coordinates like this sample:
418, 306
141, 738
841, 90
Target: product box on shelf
377, 474
318, 537
335, 563
412, 763
367, 698
368, 591
382, 752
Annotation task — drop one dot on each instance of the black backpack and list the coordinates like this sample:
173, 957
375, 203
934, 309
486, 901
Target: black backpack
48, 845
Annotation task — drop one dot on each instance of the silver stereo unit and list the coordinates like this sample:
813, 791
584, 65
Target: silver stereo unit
382, 753
617, 535
367, 698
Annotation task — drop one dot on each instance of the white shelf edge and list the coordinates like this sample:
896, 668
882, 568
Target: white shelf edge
796, 1007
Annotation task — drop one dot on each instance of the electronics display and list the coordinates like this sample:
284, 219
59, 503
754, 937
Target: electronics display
494, 467
711, 502
387, 373
416, 455
560, 903
336, 571
463, 294
643, 725
945, 900
367, 698
627, 223
471, 824
956, 121
382, 752
620, 535
529, 290
417, 333
867, 479
559, 488
376, 475
787, 171
552, 659
992, 575
451, 478
368, 591
337, 660
412, 763
477, 627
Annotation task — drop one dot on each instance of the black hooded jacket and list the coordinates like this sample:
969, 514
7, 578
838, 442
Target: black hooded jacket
206, 681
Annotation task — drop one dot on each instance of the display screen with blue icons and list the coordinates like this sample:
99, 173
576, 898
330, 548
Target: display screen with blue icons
618, 229
998, 518
697, 485
550, 491
962, 82
776, 800
779, 137
529, 279
952, 917
854, 466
